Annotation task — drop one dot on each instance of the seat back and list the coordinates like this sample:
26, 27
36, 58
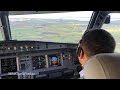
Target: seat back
103, 66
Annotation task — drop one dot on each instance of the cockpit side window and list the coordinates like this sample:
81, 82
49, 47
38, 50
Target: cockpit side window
1, 38
114, 29
1, 28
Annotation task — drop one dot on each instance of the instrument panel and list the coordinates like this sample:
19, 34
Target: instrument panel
27, 46
8, 65
37, 60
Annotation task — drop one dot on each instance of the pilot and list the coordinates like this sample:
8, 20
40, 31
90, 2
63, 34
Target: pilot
94, 42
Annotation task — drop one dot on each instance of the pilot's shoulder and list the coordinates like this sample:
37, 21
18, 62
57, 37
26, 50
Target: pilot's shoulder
81, 74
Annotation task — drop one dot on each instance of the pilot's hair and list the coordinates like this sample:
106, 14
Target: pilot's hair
98, 41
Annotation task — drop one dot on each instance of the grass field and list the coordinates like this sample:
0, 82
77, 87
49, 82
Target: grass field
67, 33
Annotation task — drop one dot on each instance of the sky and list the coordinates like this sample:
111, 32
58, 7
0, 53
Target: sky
78, 15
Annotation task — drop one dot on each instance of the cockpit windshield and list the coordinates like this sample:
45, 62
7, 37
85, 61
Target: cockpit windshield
66, 27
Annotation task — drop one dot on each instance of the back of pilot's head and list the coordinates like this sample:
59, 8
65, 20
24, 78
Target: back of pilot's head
98, 41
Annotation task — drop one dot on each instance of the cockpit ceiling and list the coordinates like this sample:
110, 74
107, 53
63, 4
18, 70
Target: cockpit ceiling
34, 12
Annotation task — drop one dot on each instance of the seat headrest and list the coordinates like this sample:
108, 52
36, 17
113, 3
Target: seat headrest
103, 66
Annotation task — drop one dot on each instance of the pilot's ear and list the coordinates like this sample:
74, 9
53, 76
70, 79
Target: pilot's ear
81, 54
